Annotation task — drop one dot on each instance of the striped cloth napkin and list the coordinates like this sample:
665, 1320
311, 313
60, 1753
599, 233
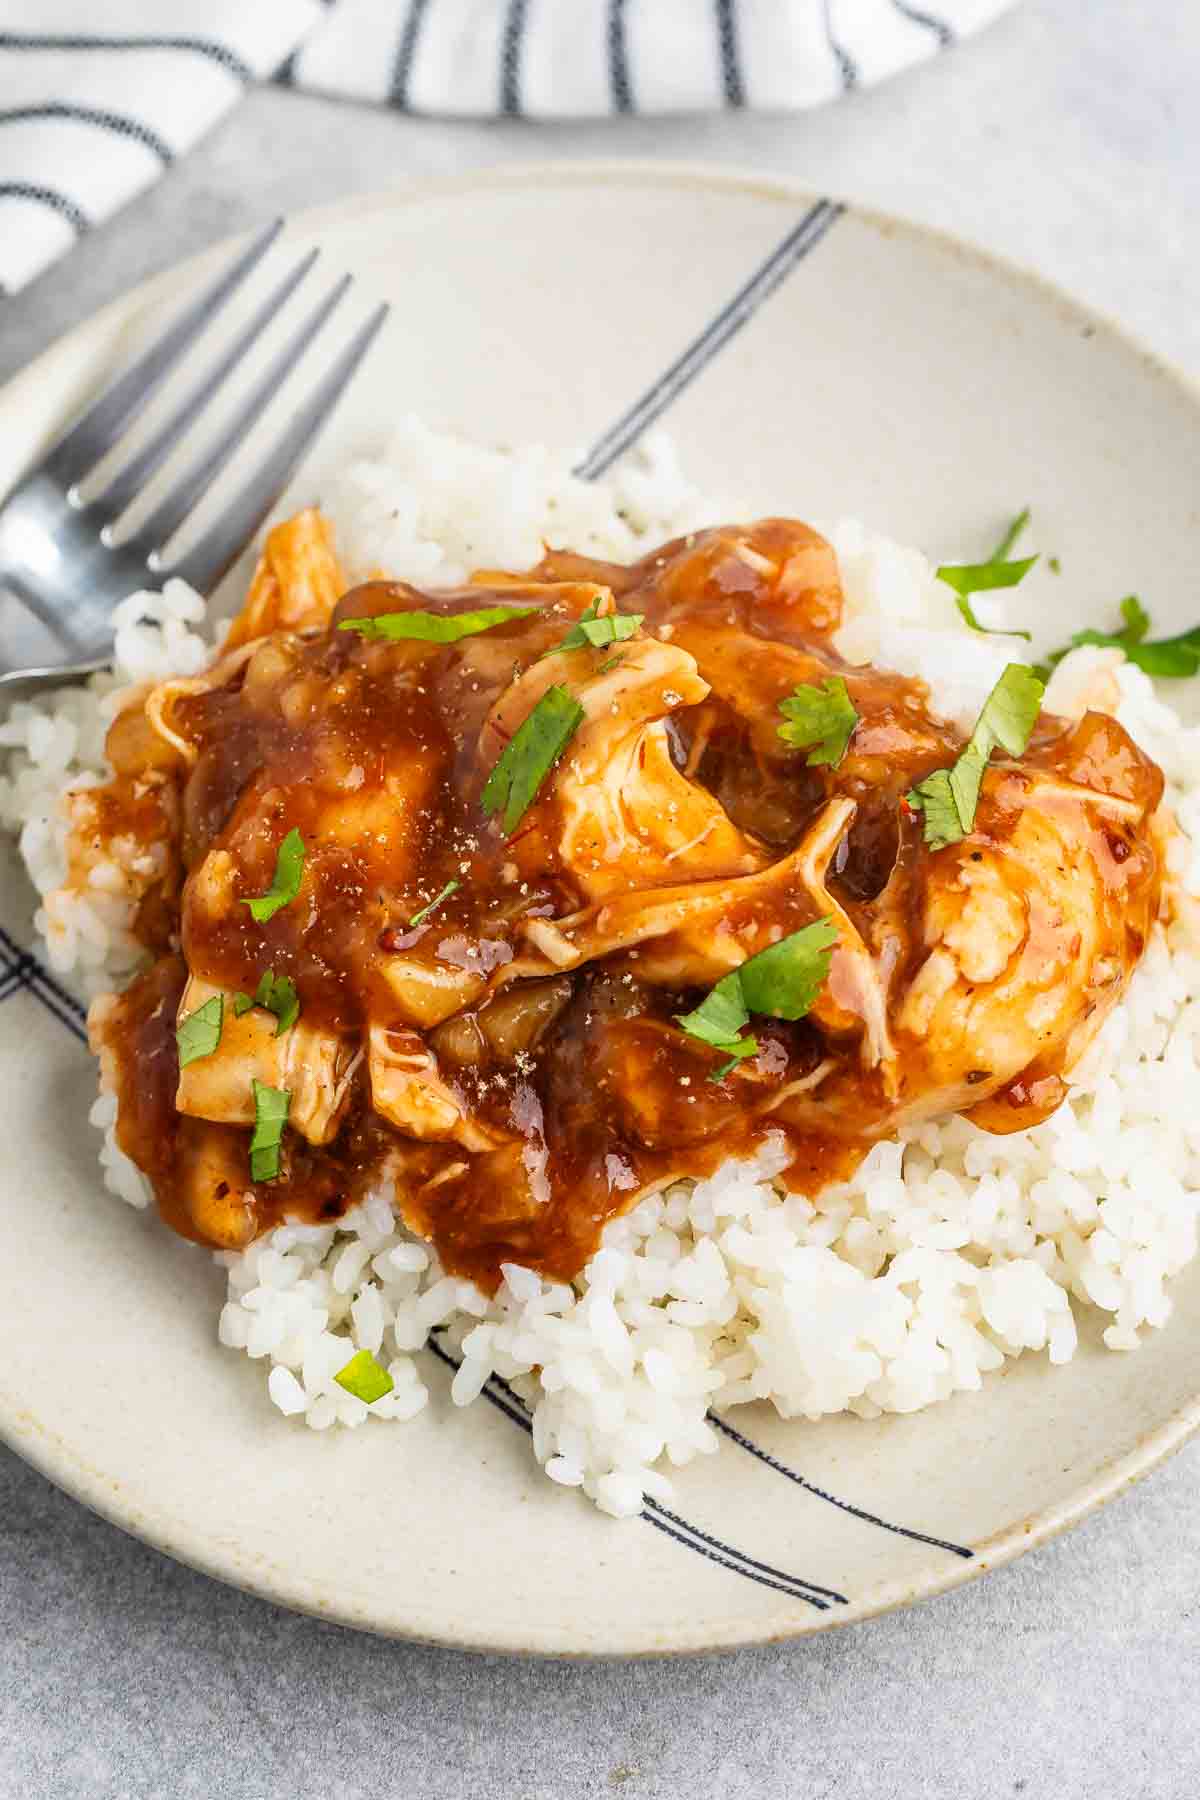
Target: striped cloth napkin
97, 99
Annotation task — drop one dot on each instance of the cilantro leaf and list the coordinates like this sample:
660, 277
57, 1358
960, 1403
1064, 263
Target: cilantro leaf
719, 1018
967, 614
270, 1116
451, 887
1173, 658
285, 884
935, 798
613, 628
529, 756
784, 980
949, 797
1137, 619
365, 1378
278, 997
1012, 533
199, 1034
979, 578
436, 628
781, 982
819, 720
997, 572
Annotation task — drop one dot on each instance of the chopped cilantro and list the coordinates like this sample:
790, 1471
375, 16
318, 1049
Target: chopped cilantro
949, 797
436, 628
285, 884
996, 572
199, 1034
781, 982
365, 1378
1173, 657
613, 628
819, 720
451, 887
528, 758
270, 1116
278, 997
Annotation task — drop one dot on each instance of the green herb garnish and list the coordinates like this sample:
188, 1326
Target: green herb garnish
451, 887
528, 758
285, 884
278, 997
718, 1021
948, 797
587, 630
819, 720
199, 1034
1173, 657
781, 982
436, 628
365, 1378
270, 1116
997, 572
1012, 533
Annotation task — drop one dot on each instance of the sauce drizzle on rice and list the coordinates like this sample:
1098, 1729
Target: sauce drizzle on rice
513, 1060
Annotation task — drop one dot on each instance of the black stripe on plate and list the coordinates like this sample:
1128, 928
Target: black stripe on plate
716, 334
49, 197
502, 1397
869, 1518
287, 73
659, 1510
847, 67
732, 86
510, 57
17, 975
120, 124
23, 972
943, 32
793, 1593
619, 81
406, 51
194, 46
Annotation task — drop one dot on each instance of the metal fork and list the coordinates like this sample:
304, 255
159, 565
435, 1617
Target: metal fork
58, 556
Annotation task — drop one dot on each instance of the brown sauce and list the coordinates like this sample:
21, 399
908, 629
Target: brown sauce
579, 1087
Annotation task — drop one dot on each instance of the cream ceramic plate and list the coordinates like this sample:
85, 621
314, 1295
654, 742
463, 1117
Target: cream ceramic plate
894, 375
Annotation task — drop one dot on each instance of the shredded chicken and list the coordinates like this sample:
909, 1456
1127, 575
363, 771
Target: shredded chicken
495, 1023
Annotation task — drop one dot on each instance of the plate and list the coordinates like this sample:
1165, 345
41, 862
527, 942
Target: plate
888, 373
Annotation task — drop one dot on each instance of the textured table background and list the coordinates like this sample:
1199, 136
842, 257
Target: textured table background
1067, 136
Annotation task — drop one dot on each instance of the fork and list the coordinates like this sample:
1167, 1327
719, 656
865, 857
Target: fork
59, 555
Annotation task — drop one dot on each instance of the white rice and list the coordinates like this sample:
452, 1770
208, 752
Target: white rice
942, 1257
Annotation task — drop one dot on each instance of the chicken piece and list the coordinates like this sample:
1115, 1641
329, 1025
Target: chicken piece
161, 705
316, 1067
427, 994
210, 1188
616, 812
407, 1088
854, 1000
692, 934
512, 1024
297, 583
360, 843
1029, 930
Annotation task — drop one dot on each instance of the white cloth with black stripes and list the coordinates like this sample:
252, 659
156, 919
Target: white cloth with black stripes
97, 97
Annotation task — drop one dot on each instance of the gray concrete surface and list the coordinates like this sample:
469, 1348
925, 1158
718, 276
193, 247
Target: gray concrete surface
1067, 136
